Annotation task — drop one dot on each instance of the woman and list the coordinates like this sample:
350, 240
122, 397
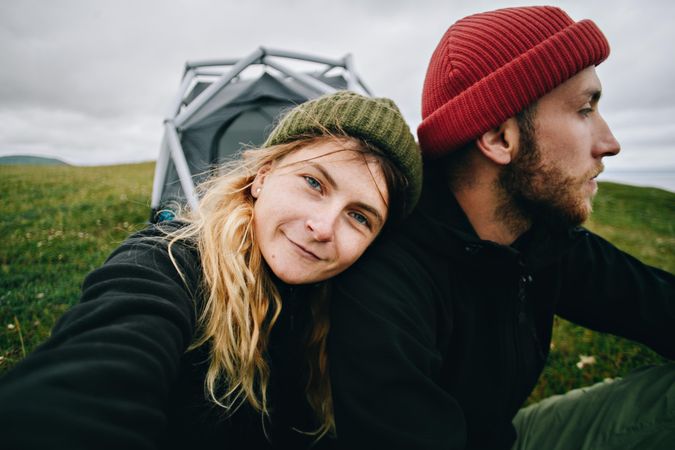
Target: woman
210, 330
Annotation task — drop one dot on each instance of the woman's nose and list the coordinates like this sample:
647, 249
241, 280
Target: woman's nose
321, 226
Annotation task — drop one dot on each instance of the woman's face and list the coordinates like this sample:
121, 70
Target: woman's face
317, 209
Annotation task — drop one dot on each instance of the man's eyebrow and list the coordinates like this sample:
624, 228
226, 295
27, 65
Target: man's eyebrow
594, 94
589, 95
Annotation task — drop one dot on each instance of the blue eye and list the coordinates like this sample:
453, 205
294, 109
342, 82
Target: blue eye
360, 218
313, 183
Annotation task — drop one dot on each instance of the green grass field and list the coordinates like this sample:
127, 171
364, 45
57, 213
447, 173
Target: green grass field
59, 222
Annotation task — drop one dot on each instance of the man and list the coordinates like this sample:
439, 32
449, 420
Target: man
440, 333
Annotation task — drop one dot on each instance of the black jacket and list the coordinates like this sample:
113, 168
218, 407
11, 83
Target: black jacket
115, 372
438, 337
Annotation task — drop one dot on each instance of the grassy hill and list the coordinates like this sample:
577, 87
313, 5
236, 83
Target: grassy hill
60, 222
32, 160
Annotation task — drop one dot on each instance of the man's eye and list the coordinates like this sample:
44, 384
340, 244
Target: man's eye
313, 183
586, 111
360, 218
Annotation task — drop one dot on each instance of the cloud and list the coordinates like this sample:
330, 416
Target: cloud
91, 81
78, 138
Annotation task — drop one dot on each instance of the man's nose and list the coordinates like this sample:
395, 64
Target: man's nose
605, 144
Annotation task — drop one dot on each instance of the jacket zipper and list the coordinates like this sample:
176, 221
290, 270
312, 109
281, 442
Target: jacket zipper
525, 280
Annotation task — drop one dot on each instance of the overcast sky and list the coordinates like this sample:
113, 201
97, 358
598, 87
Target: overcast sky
90, 81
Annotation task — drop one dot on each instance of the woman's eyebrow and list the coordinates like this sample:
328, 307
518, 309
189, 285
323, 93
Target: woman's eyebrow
333, 183
325, 173
372, 210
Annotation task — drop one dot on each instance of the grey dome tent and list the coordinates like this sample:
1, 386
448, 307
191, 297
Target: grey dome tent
224, 104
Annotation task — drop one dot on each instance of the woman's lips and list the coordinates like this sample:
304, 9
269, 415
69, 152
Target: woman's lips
304, 251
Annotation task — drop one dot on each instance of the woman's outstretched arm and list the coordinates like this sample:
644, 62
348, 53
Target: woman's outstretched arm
102, 378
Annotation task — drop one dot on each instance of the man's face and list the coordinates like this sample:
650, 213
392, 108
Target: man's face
552, 175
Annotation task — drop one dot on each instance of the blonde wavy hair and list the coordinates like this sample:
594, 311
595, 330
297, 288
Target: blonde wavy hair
241, 302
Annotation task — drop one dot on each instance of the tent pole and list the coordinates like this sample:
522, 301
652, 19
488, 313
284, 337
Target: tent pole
196, 104
181, 165
302, 57
352, 85
312, 83
209, 73
161, 166
184, 85
210, 63
328, 69
364, 86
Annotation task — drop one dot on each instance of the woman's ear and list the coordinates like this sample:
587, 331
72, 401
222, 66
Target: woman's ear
500, 144
259, 180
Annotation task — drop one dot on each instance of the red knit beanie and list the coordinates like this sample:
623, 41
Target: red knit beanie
490, 66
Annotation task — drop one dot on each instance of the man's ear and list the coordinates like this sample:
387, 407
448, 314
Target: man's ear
259, 180
500, 144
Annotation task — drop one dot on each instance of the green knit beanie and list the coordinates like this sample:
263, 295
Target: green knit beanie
377, 121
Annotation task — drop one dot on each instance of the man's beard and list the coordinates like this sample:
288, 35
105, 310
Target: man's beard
538, 192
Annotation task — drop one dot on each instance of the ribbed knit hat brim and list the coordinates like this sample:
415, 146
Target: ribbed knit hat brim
376, 121
490, 66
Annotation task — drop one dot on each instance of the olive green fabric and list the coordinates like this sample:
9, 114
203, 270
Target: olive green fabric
634, 412
375, 120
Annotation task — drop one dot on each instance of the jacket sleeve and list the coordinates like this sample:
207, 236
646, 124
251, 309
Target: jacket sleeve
102, 378
610, 291
385, 364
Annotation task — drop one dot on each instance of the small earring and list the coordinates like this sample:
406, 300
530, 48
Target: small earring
257, 191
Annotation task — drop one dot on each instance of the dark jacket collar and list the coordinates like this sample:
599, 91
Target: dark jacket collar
439, 224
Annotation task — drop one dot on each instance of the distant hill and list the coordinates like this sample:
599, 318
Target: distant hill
31, 160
